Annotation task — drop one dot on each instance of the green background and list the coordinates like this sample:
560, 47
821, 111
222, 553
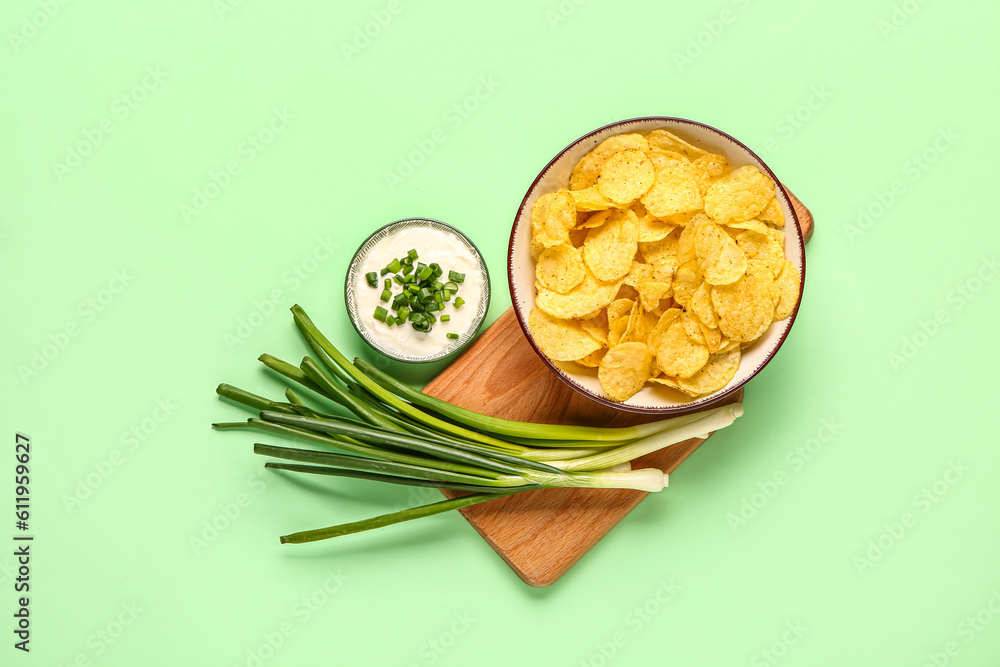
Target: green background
134, 303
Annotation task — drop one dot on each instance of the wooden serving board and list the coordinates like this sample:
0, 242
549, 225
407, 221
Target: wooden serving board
541, 534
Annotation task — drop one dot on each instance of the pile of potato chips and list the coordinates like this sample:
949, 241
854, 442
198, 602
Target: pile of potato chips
658, 265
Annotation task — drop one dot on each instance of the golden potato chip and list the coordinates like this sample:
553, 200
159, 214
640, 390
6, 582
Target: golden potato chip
616, 329
744, 307
619, 308
714, 375
595, 220
597, 326
651, 292
692, 327
560, 268
682, 219
788, 285
668, 317
610, 248
686, 281
552, 216
778, 235
673, 191
651, 229
677, 355
560, 340
587, 170
740, 195
592, 360
722, 260
662, 254
725, 345
624, 370
672, 383
772, 213
625, 176
713, 337
708, 169
640, 323
577, 237
700, 304
661, 140
764, 248
638, 272
752, 225
686, 240
585, 298
590, 199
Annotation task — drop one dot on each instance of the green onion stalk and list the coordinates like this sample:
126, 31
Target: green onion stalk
370, 426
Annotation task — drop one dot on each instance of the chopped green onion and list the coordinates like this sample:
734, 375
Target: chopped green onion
394, 266
459, 301
456, 277
408, 269
451, 286
412, 254
446, 318
372, 278
380, 313
452, 335
386, 295
387, 283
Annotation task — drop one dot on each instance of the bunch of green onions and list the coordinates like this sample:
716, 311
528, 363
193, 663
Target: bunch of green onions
398, 435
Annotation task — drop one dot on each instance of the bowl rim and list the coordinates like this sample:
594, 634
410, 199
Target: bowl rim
696, 404
470, 334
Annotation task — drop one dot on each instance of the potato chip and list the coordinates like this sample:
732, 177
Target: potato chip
713, 337
610, 248
640, 323
662, 254
560, 268
625, 176
651, 292
668, 317
594, 221
560, 340
686, 240
700, 304
788, 283
722, 261
672, 383
585, 298
592, 360
677, 355
692, 327
739, 196
717, 372
778, 235
619, 308
577, 237
708, 169
764, 248
661, 140
552, 216
597, 326
686, 281
590, 199
624, 370
616, 329
639, 271
587, 170
744, 307
673, 191
651, 229
752, 225
772, 213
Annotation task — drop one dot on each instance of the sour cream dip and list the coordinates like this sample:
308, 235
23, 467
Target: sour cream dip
435, 242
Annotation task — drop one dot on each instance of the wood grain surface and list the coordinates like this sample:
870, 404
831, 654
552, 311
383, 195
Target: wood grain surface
541, 534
